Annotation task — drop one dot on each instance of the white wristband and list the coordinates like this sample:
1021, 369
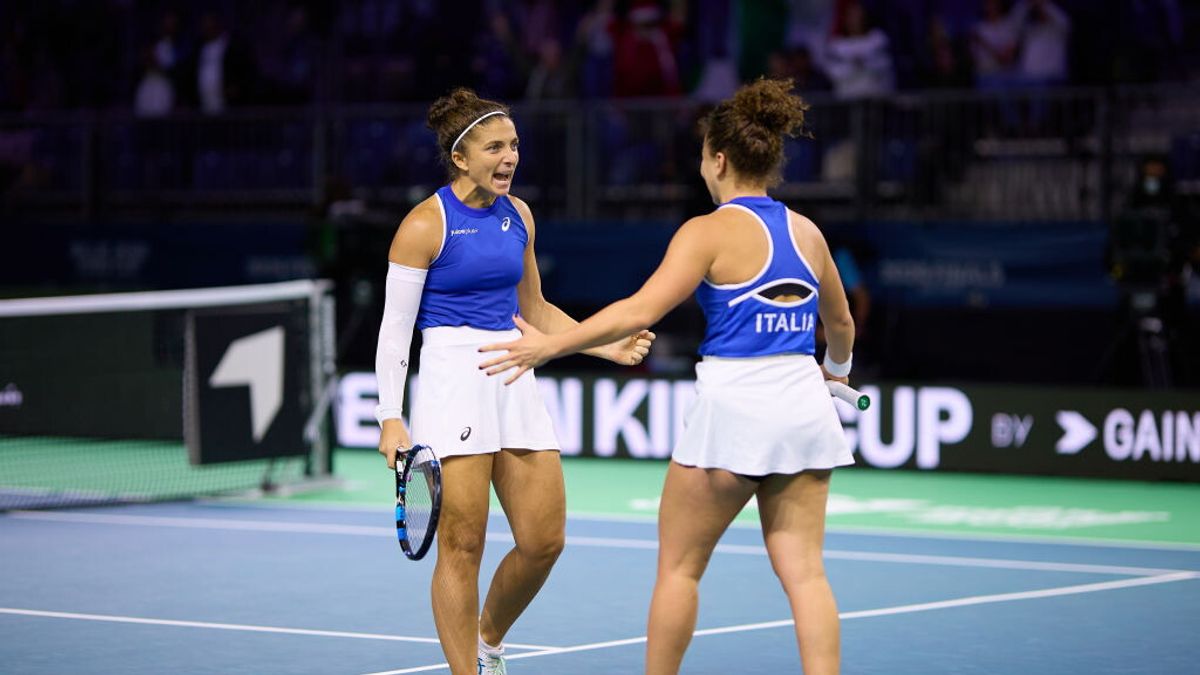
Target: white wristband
838, 369
382, 413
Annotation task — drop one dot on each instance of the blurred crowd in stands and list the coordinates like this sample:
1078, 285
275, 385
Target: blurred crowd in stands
156, 57
1009, 152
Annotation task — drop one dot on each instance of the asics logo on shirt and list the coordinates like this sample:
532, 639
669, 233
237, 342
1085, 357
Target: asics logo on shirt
505, 224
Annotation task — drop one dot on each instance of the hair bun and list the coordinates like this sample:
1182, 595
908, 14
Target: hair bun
770, 104
750, 125
443, 110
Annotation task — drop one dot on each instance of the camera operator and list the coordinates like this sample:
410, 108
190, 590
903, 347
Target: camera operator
1152, 254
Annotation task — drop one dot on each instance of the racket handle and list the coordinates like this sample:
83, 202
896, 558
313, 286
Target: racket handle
848, 394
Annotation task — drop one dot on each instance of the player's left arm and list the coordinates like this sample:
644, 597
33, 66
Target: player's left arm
535, 308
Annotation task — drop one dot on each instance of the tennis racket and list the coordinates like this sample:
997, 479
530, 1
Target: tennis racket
418, 499
848, 394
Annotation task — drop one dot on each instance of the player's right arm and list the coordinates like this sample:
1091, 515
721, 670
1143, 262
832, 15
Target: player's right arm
417, 242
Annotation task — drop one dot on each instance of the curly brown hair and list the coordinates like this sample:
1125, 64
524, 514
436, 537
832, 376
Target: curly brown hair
749, 128
449, 116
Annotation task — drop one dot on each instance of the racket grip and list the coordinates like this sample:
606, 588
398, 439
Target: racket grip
848, 394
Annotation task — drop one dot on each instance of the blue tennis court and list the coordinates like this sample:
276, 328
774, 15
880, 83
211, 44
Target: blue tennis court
235, 587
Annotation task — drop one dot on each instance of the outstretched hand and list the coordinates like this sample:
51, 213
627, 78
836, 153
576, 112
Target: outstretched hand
534, 348
531, 350
632, 350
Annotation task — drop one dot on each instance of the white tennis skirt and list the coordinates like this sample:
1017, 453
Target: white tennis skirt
457, 409
762, 415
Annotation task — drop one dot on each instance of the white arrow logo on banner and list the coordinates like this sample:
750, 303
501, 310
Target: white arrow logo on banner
1077, 432
255, 361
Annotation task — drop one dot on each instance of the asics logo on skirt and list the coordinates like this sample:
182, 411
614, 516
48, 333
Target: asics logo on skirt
466, 433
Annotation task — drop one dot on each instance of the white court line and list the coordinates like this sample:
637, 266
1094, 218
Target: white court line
595, 542
1025, 595
860, 530
110, 618
205, 523
862, 614
870, 556
1044, 539
998, 563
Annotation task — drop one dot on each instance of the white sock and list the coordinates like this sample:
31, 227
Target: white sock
490, 650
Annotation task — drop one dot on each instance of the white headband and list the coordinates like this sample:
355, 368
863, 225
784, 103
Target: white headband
472, 125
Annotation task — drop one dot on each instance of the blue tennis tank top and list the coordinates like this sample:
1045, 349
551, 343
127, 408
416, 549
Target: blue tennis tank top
473, 280
745, 319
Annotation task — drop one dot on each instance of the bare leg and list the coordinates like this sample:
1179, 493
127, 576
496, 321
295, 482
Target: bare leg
792, 510
697, 507
461, 531
530, 487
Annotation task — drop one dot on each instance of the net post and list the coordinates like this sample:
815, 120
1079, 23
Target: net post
323, 369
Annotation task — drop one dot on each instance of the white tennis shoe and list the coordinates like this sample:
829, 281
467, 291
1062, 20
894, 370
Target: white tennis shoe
491, 660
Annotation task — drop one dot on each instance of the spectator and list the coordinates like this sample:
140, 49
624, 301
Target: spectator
943, 62
718, 80
1044, 33
1044, 30
155, 95
712, 49
1150, 41
797, 63
167, 51
644, 41
994, 47
761, 28
594, 39
500, 64
223, 69
857, 55
550, 77
808, 24
293, 64
538, 21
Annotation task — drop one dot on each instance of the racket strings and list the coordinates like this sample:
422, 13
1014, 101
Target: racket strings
418, 499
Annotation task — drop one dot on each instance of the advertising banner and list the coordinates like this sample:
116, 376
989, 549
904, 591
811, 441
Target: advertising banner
991, 264
108, 375
1097, 432
247, 383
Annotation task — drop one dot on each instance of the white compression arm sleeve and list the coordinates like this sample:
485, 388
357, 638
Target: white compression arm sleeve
402, 299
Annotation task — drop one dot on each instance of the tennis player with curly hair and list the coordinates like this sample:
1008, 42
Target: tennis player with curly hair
763, 424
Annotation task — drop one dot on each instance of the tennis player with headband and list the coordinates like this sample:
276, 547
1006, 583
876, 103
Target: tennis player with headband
460, 267
763, 423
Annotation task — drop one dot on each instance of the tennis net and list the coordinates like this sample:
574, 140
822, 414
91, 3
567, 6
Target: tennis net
163, 395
